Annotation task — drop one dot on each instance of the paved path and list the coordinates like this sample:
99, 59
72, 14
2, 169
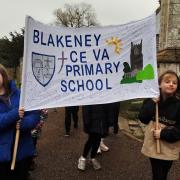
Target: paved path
58, 155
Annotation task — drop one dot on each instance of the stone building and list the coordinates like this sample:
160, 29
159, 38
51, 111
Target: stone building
168, 37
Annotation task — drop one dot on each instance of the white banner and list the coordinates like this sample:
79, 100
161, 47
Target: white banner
95, 65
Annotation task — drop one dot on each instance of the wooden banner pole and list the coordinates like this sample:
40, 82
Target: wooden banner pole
15, 147
157, 127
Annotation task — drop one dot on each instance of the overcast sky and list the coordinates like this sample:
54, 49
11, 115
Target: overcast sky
109, 12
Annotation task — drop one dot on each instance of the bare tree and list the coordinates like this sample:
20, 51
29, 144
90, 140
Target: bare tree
76, 15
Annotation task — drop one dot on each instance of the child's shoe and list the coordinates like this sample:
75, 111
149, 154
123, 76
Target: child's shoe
67, 134
99, 151
82, 163
103, 147
96, 164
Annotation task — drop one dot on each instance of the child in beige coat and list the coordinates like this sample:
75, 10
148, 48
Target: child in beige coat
168, 132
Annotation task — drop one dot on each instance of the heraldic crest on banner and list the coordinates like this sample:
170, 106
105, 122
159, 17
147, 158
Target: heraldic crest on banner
43, 67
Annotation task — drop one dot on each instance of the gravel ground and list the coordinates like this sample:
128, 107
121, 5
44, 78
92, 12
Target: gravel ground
58, 155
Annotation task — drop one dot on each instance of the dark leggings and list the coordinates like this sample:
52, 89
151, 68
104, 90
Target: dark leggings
5, 171
20, 172
92, 145
70, 112
160, 168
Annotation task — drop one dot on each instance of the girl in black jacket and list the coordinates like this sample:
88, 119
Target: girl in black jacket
169, 125
96, 124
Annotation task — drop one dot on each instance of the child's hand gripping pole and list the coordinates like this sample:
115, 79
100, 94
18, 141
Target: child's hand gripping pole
21, 115
157, 127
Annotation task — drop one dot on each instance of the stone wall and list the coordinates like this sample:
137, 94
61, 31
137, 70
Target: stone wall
168, 56
170, 24
162, 67
174, 24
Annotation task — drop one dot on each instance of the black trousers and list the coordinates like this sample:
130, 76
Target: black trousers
92, 144
71, 113
116, 115
20, 172
5, 172
160, 168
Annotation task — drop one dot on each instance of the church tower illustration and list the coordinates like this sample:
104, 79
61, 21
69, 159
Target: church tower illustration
136, 58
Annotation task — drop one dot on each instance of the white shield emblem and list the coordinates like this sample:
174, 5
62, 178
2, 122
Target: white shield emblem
43, 67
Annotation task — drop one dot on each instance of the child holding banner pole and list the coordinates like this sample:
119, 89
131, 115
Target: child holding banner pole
167, 130
9, 122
